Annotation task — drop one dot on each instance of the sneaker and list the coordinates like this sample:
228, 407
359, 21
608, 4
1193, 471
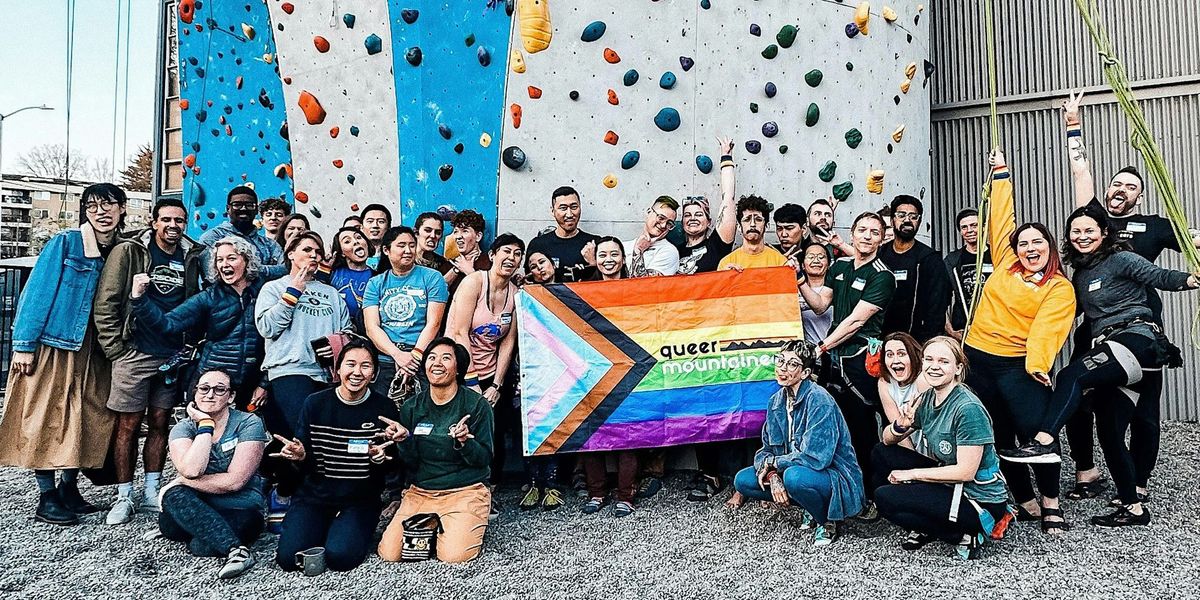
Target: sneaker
579, 484
276, 509
806, 520
70, 498
1122, 517
825, 534
593, 506
705, 488
971, 548
869, 514
121, 512
1116, 501
51, 510
552, 500
916, 540
649, 487
1033, 453
532, 499
239, 561
623, 509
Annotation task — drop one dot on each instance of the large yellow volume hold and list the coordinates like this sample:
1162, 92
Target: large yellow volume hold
862, 15
875, 182
535, 24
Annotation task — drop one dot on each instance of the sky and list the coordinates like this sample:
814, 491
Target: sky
33, 71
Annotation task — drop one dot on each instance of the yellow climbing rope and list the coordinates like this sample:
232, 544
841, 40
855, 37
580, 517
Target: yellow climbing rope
985, 194
1143, 141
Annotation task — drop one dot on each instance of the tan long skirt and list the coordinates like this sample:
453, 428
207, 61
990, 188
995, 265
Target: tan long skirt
57, 418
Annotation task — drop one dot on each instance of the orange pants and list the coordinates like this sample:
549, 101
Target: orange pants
464, 514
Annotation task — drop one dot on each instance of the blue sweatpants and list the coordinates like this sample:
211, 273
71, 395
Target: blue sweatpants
805, 487
346, 533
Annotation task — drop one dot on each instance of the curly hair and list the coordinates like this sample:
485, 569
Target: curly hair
468, 218
253, 262
807, 351
756, 204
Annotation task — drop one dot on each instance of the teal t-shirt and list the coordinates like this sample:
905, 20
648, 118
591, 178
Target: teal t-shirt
403, 301
962, 421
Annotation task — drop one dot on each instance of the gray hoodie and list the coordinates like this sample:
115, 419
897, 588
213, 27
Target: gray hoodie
289, 327
1114, 290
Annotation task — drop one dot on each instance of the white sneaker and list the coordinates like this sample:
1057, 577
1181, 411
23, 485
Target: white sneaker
121, 511
239, 561
150, 502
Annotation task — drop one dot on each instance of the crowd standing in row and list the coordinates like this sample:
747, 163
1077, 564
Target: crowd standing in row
319, 382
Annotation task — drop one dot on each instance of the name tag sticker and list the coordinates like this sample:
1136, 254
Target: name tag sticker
901, 275
357, 446
1095, 285
230, 445
176, 265
859, 284
423, 429
988, 268
506, 318
1135, 227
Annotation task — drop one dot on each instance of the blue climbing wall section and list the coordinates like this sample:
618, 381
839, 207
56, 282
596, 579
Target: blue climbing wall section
450, 105
231, 100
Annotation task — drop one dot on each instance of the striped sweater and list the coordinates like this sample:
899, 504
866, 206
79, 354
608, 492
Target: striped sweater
336, 468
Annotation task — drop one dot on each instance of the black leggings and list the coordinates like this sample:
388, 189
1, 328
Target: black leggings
1015, 401
923, 507
186, 517
506, 425
857, 395
1117, 361
1116, 410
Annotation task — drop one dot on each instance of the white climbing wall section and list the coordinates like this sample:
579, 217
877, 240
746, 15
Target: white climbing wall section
585, 106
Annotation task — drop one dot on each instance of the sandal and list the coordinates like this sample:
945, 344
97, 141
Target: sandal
1060, 524
1025, 515
1087, 489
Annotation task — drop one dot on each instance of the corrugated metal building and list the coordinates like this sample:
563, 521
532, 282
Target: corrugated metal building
1043, 50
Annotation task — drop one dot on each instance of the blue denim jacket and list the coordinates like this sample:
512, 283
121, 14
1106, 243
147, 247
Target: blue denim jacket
56, 304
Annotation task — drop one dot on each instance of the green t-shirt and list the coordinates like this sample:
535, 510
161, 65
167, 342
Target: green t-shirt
962, 421
872, 283
432, 456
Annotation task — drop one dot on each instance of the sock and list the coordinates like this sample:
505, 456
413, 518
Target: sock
124, 490
69, 476
45, 480
152, 480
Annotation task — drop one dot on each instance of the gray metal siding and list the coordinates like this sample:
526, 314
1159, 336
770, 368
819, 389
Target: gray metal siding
1036, 66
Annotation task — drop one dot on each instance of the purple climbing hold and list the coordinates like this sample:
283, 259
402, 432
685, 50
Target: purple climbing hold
770, 89
770, 129
755, 30
753, 146
354, 130
373, 44
484, 56
687, 63
851, 30
445, 171
410, 15
348, 19
444, 131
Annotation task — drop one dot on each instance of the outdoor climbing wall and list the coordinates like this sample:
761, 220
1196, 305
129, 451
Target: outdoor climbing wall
335, 63
231, 107
449, 67
635, 112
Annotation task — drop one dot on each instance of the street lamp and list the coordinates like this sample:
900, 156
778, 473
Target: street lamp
3, 117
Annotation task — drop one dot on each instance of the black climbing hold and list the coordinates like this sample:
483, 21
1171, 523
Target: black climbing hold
202, 115
910, 38
509, 7
929, 68
630, 159
192, 60
413, 56
853, 138
704, 163
445, 171
444, 131
410, 15
283, 130
917, 19
827, 172
195, 146
228, 109
753, 146
754, 107
264, 99
770, 129
851, 30
812, 115
770, 52
485, 57
631, 77
896, 99
470, 41
574, 95
200, 72
755, 29
513, 158
813, 78
350, 179
667, 119
786, 36
687, 63
667, 81
849, 66
889, 148
594, 31
783, 149
770, 89
458, 148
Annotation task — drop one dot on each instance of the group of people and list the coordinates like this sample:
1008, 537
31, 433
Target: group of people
319, 381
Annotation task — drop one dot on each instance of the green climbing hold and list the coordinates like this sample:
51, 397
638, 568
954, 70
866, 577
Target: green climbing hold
842, 190
783, 149
849, 66
770, 52
754, 107
470, 40
813, 78
786, 35
593, 31
631, 77
373, 44
827, 171
812, 115
853, 138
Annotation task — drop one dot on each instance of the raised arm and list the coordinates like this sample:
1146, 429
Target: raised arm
1002, 216
1081, 167
727, 215
1151, 275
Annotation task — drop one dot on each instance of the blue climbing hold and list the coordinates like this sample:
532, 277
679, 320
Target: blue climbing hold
667, 81
753, 146
851, 30
594, 31
631, 77
354, 130
374, 44
705, 4
770, 129
687, 63
770, 89
755, 30
348, 19
667, 119
350, 179
704, 163
484, 56
630, 159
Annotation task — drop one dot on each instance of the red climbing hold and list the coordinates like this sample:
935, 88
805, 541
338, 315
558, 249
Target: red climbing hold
313, 113
337, 163
287, 80
287, 7
183, 104
515, 109
301, 197
238, 82
611, 56
534, 92
321, 43
187, 10
612, 98
228, 130
334, 131
354, 207
189, 161
611, 138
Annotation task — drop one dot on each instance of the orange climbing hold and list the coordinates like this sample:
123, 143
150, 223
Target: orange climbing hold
515, 109
334, 131
189, 160
313, 112
354, 207
321, 43
337, 163
612, 98
287, 7
611, 56
301, 197
611, 138
183, 104
534, 92
187, 10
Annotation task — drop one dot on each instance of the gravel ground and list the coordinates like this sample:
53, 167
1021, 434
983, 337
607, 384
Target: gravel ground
669, 548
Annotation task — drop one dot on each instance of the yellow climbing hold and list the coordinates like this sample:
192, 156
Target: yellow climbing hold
898, 134
862, 15
911, 70
904, 85
889, 15
517, 61
920, 8
875, 182
535, 24
610, 181
248, 31
485, 140
268, 58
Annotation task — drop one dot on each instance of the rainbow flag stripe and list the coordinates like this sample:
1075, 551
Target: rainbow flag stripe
653, 362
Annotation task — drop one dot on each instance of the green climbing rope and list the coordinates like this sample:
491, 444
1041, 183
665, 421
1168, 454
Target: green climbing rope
1143, 141
986, 192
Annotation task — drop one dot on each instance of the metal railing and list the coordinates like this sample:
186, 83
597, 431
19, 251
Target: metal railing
11, 281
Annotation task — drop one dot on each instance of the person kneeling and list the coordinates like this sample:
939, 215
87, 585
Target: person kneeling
448, 456
216, 504
956, 493
806, 459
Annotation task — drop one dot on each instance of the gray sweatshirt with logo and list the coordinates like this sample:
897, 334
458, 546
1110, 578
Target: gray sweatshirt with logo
287, 329
1115, 290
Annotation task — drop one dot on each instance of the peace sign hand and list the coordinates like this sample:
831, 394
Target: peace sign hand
1071, 107
394, 431
378, 452
908, 412
292, 449
460, 432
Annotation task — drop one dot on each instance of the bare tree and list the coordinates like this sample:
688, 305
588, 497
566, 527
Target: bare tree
137, 175
50, 160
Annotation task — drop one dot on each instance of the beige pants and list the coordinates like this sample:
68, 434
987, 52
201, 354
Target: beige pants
464, 514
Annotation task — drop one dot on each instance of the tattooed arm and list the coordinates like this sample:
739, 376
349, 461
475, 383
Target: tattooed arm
1081, 167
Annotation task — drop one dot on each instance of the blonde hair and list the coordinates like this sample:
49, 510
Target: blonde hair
955, 350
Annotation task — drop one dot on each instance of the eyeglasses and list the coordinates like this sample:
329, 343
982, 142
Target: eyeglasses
217, 391
907, 216
662, 219
787, 365
94, 206
242, 204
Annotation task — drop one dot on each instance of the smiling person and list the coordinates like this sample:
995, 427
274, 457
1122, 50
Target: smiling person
446, 443
650, 254
344, 446
703, 248
350, 272
1113, 286
806, 459
753, 215
900, 381
955, 493
1023, 318
273, 211
166, 264
467, 233
241, 205
215, 506
54, 410
964, 280
816, 298
569, 247
375, 221
922, 284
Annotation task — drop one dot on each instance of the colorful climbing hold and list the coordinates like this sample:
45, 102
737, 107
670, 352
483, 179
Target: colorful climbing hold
594, 31
786, 36
301, 197
704, 163
754, 107
630, 78
889, 14
485, 139
458, 148
827, 172
862, 16
770, 129
813, 78
413, 56
189, 161
770, 90
686, 63
667, 81
348, 19
409, 15
611, 56
611, 137
248, 31
755, 30
898, 134
630, 159
334, 131
445, 171
667, 119
610, 181
515, 111
354, 130
853, 138
770, 52
445, 131
851, 30
910, 71
705, 4
536, 30
534, 93
484, 56
783, 149
469, 40
337, 163
513, 158
875, 182
237, 83
350, 180
287, 7
517, 61
313, 112
812, 115
612, 98
753, 146
187, 10
281, 170
373, 44
842, 190
321, 43
905, 85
